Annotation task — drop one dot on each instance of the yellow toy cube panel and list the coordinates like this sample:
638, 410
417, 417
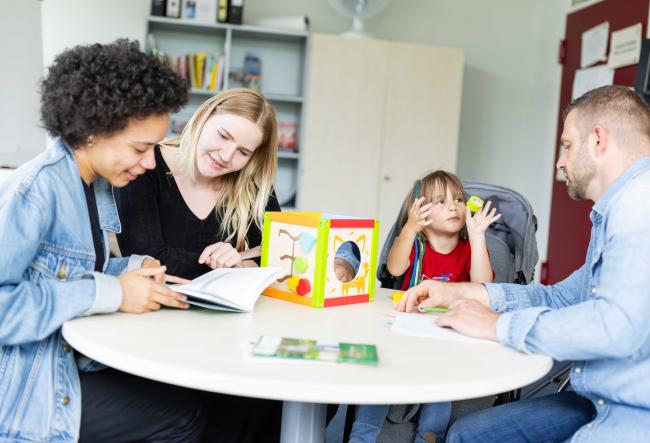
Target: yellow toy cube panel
328, 260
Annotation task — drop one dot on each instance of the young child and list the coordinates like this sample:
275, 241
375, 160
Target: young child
439, 240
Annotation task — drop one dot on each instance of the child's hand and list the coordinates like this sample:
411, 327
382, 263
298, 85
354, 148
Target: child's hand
483, 218
418, 213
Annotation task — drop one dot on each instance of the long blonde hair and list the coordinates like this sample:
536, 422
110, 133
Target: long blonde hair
244, 193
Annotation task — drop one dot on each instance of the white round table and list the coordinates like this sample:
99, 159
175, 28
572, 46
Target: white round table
210, 350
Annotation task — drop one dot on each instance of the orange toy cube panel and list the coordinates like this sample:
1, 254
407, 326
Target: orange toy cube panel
328, 260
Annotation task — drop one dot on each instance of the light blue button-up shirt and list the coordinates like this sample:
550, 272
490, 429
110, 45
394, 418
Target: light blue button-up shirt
47, 259
598, 317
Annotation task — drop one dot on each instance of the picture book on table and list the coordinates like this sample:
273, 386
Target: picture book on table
314, 350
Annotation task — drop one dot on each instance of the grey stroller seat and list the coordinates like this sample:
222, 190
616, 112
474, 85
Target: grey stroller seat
510, 240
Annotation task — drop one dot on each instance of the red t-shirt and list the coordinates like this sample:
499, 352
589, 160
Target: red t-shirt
453, 266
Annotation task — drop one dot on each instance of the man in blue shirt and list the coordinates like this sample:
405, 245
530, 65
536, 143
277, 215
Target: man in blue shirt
598, 317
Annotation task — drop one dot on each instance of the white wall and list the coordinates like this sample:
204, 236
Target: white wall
20, 46
511, 82
67, 23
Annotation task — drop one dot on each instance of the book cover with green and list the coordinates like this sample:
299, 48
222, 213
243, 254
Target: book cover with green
314, 350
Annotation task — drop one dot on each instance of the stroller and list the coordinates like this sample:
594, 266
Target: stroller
513, 254
510, 240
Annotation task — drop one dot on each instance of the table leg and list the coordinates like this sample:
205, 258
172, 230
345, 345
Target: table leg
303, 422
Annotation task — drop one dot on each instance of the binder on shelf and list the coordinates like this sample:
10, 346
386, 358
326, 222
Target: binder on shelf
173, 8
206, 11
199, 66
236, 12
191, 69
189, 9
222, 11
158, 7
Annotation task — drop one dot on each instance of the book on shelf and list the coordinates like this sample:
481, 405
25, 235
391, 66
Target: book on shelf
173, 8
222, 11
199, 60
252, 72
202, 71
228, 289
189, 9
300, 349
200, 10
236, 77
206, 11
158, 7
288, 137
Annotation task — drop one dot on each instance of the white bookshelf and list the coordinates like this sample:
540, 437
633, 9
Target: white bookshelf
283, 55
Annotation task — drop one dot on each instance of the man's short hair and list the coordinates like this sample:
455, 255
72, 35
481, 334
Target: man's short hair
615, 107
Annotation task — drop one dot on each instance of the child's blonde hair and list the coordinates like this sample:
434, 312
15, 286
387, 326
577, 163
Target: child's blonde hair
245, 193
434, 182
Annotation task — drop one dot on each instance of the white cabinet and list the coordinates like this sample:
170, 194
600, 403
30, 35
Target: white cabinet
282, 55
379, 115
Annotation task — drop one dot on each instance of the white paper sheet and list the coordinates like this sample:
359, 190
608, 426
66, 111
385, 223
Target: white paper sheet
424, 325
591, 78
625, 47
594, 45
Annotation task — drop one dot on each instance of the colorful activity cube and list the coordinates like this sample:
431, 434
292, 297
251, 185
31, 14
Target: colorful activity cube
328, 260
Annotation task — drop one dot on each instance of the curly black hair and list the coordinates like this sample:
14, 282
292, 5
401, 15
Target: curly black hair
96, 89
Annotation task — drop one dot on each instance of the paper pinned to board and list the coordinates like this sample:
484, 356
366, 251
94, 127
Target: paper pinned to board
594, 45
626, 47
424, 325
590, 78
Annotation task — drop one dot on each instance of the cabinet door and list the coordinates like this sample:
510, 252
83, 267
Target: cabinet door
421, 120
345, 96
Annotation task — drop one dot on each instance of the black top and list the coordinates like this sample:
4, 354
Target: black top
156, 221
94, 226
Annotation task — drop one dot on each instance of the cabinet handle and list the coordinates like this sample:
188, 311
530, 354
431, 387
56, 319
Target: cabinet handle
386, 178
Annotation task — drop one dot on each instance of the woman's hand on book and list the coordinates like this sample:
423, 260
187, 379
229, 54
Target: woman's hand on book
142, 293
162, 277
220, 255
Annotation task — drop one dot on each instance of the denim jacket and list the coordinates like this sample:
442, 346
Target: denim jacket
47, 277
598, 317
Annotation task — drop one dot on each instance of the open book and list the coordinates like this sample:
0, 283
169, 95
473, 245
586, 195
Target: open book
424, 325
229, 289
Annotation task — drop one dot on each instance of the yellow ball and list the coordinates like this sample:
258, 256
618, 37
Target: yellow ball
474, 203
292, 282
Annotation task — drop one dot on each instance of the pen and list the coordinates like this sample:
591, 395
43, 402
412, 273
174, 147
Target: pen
431, 309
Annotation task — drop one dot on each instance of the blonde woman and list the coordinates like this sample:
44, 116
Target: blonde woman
203, 204
201, 207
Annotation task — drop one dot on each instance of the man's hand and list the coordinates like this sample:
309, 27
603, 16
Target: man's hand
428, 293
436, 293
142, 293
220, 255
471, 318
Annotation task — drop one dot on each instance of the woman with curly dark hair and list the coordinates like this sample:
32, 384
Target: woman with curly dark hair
107, 106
